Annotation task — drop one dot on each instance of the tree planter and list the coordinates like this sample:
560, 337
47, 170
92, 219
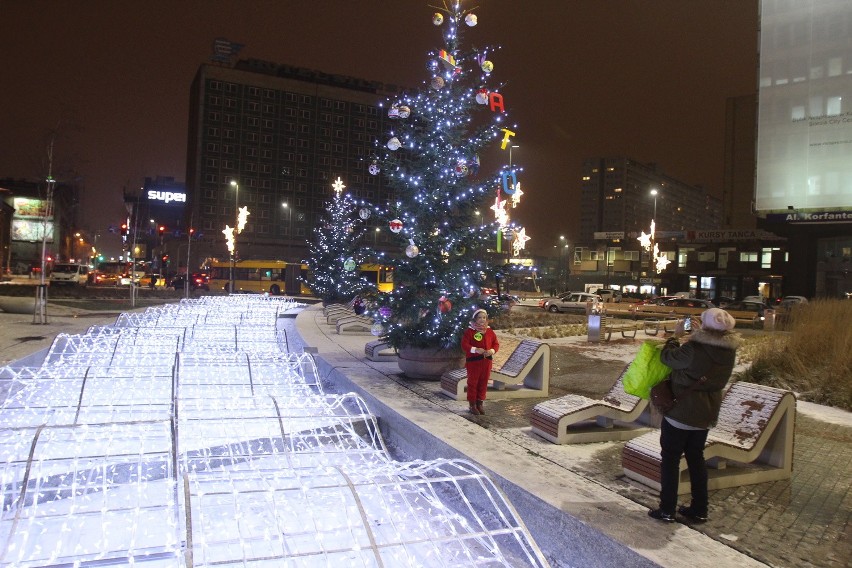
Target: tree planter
429, 362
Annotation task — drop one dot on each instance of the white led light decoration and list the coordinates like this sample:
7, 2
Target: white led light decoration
188, 435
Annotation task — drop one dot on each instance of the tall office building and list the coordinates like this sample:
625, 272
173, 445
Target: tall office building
282, 135
616, 197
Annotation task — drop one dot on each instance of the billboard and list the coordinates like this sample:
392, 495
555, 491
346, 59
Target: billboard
31, 230
804, 140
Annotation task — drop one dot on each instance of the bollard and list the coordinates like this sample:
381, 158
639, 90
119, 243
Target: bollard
594, 327
769, 319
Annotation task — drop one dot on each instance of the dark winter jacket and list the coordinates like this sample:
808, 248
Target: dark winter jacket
708, 354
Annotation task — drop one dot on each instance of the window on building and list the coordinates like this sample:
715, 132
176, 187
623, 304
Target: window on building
307, 100
210, 178
267, 138
207, 209
214, 116
253, 106
229, 133
306, 115
229, 148
766, 257
231, 87
266, 153
631, 255
748, 257
212, 163
212, 147
215, 101
254, 92
251, 137
290, 112
707, 256
268, 109
230, 118
215, 86
252, 121
213, 132
231, 103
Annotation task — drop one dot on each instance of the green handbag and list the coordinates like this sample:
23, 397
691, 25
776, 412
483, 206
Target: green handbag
645, 371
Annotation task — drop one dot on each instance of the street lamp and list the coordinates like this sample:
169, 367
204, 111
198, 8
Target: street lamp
654, 195
236, 186
289, 227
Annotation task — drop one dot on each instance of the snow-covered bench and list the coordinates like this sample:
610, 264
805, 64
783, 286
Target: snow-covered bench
751, 443
574, 418
521, 368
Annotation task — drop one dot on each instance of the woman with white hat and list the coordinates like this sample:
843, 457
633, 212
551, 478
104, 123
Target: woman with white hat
701, 368
479, 343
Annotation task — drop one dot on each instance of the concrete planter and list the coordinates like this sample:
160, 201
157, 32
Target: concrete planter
17, 305
429, 362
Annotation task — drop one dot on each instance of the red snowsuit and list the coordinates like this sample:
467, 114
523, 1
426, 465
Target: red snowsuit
478, 366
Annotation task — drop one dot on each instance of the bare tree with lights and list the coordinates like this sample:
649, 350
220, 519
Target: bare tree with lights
431, 158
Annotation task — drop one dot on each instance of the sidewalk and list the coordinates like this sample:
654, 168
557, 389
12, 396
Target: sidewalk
568, 494
574, 499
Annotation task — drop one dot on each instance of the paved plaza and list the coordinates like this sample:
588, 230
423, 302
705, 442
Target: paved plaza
574, 499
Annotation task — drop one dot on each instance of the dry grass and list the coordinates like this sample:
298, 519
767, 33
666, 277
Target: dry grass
813, 358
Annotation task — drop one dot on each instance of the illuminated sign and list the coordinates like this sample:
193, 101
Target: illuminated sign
167, 196
27, 207
31, 231
804, 123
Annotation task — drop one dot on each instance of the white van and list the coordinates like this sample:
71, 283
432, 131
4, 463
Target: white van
70, 274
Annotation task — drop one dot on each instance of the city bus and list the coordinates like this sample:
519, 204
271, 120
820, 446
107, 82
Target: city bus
276, 277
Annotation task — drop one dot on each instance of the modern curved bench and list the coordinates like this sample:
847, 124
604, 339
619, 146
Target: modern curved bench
751, 443
576, 419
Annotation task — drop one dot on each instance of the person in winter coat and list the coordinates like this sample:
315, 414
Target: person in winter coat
479, 344
701, 368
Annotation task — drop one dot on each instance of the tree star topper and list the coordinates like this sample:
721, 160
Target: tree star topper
338, 185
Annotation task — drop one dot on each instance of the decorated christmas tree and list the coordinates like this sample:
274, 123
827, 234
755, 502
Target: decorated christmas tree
334, 255
431, 158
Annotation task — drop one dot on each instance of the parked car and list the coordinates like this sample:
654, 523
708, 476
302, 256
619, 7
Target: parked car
760, 299
196, 282
790, 301
505, 301
106, 278
576, 301
723, 301
609, 296
753, 313
689, 303
74, 274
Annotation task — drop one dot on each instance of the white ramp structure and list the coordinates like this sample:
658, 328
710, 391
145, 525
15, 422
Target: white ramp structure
187, 435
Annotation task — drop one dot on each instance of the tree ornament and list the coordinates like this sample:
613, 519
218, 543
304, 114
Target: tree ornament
482, 96
461, 169
487, 66
404, 112
394, 144
377, 329
395, 226
459, 250
444, 305
437, 18
470, 20
473, 168
349, 264
374, 169
385, 312
393, 112
411, 250
437, 83
364, 213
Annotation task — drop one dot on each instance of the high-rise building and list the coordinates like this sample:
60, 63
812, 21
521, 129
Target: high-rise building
282, 135
616, 197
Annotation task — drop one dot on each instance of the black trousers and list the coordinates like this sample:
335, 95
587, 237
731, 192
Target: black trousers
676, 442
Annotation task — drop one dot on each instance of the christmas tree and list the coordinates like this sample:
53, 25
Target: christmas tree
334, 255
431, 158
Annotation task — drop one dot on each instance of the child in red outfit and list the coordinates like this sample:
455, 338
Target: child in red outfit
479, 344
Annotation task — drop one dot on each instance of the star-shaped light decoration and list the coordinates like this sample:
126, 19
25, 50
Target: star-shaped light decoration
229, 238
520, 241
516, 197
500, 213
662, 261
645, 240
242, 218
338, 186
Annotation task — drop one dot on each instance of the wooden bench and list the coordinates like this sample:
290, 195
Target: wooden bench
751, 443
380, 351
521, 369
576, 419
610, 324
354, 324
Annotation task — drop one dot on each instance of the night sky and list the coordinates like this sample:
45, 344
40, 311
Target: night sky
646, 79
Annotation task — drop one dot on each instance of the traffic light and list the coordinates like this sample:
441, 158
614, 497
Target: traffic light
165, 259
162, 230
124, 229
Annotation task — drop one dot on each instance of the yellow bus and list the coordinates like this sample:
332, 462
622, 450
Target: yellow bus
273, 276
278, 276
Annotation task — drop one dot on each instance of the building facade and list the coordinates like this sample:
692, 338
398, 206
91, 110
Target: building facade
274, 138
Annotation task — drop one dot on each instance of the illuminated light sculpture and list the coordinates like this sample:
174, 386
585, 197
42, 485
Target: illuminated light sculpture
140, 443
658, 261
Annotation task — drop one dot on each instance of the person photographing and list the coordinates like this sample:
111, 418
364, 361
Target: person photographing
479, 344
701, 367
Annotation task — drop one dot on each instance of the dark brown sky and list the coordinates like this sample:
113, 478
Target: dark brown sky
645, 79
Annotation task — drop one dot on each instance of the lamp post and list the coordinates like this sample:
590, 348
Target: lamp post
652, 255
236, 222
289, 228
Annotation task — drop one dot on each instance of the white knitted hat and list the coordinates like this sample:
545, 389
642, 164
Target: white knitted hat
717, 320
